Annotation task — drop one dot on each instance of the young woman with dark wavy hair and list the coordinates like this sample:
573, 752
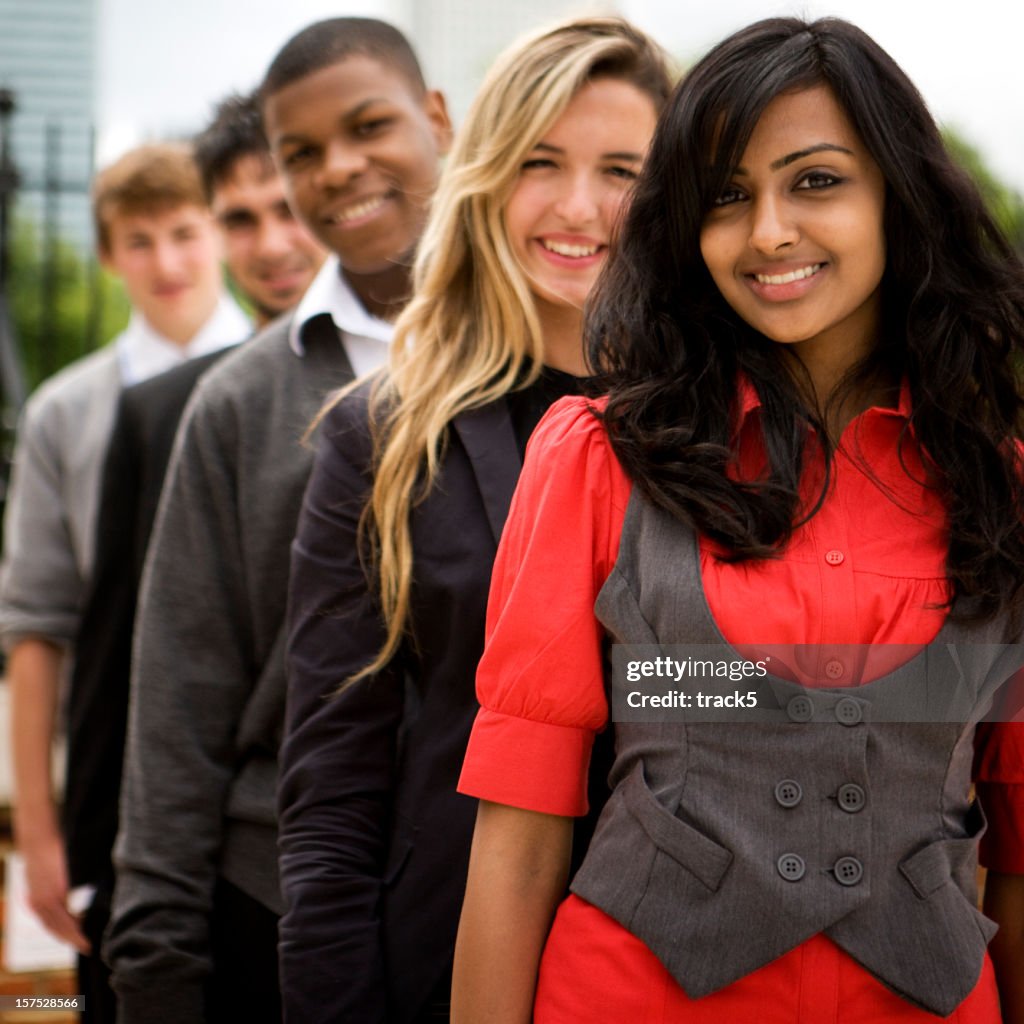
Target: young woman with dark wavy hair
811, 338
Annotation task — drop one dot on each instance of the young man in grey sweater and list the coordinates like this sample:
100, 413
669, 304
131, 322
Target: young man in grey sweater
193, 936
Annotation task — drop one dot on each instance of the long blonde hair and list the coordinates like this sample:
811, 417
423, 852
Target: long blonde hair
470, 333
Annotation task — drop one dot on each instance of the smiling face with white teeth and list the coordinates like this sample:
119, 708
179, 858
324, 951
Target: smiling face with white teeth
796, 241
357, 144
562, 210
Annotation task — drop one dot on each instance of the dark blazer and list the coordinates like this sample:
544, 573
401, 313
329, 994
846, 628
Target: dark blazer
374, 838
140, 448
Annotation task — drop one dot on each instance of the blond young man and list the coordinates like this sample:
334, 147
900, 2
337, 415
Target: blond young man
155, 231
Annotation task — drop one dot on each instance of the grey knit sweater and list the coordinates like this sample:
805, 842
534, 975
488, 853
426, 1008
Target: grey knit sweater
50, 523
208, 678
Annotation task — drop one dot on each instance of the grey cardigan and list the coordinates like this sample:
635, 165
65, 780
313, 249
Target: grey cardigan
50, 521
208, 676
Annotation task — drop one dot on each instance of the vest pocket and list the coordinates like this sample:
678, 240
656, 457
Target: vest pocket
705, 859
945, 860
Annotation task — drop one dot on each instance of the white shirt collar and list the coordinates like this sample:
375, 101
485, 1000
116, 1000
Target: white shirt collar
143, 352
330, 293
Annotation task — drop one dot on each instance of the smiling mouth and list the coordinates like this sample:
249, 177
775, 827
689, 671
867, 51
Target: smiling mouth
793, 275
282, 279
575, 252
357, 211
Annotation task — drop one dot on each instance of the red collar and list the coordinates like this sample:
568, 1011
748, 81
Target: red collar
748, 400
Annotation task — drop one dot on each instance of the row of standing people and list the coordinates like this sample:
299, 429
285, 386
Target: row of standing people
357, 136
766, 276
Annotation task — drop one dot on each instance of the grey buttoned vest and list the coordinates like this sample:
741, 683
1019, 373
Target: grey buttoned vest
726, 844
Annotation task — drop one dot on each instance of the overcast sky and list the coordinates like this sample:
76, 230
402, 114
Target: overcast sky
162, 66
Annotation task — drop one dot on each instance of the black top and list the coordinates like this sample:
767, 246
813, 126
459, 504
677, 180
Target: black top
527, 406
374, 837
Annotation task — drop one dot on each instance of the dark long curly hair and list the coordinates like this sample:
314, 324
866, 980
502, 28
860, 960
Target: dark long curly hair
669, 349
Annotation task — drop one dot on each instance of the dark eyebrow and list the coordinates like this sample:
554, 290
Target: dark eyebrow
236, 213
777, 165
361, 107
783, 161
548, 148
349, 115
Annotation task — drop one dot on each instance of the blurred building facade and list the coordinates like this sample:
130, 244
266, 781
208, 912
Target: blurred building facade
457, 40
48, 59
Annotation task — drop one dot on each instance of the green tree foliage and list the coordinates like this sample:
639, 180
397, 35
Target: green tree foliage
62, 307
1005, 204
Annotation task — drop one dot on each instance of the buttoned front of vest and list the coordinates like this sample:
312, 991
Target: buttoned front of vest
845, 811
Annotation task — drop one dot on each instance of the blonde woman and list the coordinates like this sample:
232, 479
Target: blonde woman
414, 474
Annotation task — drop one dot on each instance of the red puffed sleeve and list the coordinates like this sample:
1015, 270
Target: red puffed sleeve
999, 782
540, 682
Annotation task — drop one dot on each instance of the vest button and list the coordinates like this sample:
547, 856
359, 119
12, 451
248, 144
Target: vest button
851, 798
848, 711
835, 557
848, 870
791, 866
834, 668
800, 709
789, 793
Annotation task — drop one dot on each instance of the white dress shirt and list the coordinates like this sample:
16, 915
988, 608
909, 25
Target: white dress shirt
142, 352
365, 337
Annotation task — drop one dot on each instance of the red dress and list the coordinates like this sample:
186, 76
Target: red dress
867, 568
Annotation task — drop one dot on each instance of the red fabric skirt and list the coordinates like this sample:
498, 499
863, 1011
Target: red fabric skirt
595, 971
